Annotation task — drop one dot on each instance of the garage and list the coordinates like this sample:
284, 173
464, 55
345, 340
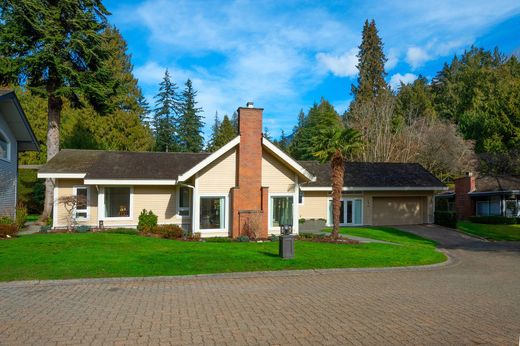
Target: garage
398, 210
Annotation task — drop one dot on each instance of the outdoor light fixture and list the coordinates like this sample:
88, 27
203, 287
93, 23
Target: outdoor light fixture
286, 242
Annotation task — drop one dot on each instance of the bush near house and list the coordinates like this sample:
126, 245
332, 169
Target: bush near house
493, 220
446, 218
165, 231
147, 220
8, 230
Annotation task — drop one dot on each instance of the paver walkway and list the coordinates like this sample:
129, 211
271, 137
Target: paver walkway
474, 300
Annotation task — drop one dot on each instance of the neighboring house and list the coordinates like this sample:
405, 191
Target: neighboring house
16, 136
247, 183
484, 196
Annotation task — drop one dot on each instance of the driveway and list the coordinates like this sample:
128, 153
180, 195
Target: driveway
473, 300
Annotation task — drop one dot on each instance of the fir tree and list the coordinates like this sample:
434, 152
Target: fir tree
266, 134
190, 124
371, 80
283, 143
234, 120
57, 50
167, 106
214, 132
226, 132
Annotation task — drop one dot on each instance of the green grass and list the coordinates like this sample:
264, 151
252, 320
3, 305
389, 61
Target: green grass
32, 217
91, 255
491, 232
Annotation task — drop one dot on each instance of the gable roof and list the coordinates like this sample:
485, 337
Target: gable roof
375, 175
289, 161
17, 120
497, 183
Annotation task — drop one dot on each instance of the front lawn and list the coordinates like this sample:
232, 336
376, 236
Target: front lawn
491, 232
90, 255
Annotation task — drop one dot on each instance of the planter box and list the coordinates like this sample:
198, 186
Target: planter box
312, 225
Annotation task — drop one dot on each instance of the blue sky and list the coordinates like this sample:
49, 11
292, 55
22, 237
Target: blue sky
286, 55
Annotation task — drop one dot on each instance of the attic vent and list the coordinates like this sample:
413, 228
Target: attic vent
250, 104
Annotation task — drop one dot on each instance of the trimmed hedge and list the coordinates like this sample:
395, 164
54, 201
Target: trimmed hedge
494, 220
446, 218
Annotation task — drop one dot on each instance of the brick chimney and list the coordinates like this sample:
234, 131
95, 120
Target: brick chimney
464, 205
249, 200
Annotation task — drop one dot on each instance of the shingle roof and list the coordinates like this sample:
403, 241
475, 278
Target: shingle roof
498, 183
98, 164
375, 174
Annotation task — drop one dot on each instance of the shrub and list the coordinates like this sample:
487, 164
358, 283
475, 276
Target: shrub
166, 231
218, 240
252, 226
243, 239
128, 231
147, 220
21, 214
273, 237
8, 230
196, 236
82, 229
446, 218
6, 220
311, 236
494, 220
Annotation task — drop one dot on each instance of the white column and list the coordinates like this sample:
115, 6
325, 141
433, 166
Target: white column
296, 206
195, 219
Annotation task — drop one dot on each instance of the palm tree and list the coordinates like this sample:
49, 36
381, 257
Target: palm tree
334, 145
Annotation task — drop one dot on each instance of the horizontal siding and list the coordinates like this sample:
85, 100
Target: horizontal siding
8, 174
65, 188
314, 205
220, 176
276, 175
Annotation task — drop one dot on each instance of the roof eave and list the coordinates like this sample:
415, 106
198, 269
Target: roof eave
23, 145
288, 160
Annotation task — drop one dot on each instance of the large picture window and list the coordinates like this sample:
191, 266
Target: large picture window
117, 202
350, 212
81, 193
281, 211
4, 147
184, 201
212, 212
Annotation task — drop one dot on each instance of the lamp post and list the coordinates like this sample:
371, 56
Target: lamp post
286, 242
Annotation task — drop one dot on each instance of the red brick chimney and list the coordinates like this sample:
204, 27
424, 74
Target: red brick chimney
249, 200
464, 205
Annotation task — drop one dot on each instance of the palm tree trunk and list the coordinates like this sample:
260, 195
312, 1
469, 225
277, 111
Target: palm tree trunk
54, 106
338, 170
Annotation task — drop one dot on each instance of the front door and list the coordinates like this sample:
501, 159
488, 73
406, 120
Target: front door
350, 212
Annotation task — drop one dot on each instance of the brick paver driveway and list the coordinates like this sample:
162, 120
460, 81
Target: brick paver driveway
475, 299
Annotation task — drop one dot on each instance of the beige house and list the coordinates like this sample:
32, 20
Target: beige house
248, 181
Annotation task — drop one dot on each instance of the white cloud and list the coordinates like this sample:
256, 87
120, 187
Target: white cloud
392, 59
341, 66
396, 79
416, 57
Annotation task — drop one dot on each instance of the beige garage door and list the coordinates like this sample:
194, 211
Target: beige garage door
398, 210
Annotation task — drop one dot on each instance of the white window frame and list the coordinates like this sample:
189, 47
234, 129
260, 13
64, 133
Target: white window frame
75, 194
270, 218
300, 191
8, 143
226, 211
345, 200
179, 208
101, 204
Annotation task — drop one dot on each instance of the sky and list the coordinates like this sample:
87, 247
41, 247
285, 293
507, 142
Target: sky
286, 55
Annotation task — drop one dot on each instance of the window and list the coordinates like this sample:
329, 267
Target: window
490, 207
81, 212
300, 196
4, 147
350, 212
184, 201
117, 202
212, 212
281, 211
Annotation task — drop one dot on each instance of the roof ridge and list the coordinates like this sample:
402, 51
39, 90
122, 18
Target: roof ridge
136, 152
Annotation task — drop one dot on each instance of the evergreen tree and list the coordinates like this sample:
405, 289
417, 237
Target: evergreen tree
234, 120
166, 120
57, 50
283, 143
371, 80
415, 100
266, 134
214, 132
226, 132
190, 124
319, 116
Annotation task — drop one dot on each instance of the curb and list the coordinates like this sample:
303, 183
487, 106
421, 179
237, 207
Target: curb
450, 261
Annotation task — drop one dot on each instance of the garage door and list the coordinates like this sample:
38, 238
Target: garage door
398, 210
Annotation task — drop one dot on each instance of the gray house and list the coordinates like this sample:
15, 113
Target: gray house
16, 136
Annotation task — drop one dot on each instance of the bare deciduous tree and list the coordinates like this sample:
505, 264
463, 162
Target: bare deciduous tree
70, 204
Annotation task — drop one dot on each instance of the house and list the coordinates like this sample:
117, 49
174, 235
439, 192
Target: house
484, 196
248, 183
16, 136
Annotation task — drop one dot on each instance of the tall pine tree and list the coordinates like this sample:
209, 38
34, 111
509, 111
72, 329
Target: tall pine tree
57, 50
190, 122
166, 115
225, 133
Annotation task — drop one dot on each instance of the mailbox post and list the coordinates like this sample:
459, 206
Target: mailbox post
286, 242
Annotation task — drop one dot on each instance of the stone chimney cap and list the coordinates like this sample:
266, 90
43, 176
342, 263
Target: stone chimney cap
250, 104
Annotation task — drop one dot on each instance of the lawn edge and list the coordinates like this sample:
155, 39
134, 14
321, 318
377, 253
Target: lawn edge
450, 261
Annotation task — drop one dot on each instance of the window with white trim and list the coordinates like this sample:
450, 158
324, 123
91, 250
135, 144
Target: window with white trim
81, 210
184, 201
281, 211
300, 196
5, 147
212, 212
117, 201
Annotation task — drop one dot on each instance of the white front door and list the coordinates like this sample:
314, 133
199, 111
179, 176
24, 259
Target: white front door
351, 212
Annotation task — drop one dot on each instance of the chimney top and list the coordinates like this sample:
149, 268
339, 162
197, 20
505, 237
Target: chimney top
469, 174
250, 104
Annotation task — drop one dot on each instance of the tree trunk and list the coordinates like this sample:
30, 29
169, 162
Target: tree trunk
54, 106
337, 165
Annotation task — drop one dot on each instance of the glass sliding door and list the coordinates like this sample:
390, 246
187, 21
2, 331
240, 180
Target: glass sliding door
351, 212
212, 212
281, 211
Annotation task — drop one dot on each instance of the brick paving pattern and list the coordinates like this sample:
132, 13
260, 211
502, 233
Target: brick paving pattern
475, 300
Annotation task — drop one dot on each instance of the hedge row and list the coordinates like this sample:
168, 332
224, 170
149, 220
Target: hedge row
494, 220
446, 218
